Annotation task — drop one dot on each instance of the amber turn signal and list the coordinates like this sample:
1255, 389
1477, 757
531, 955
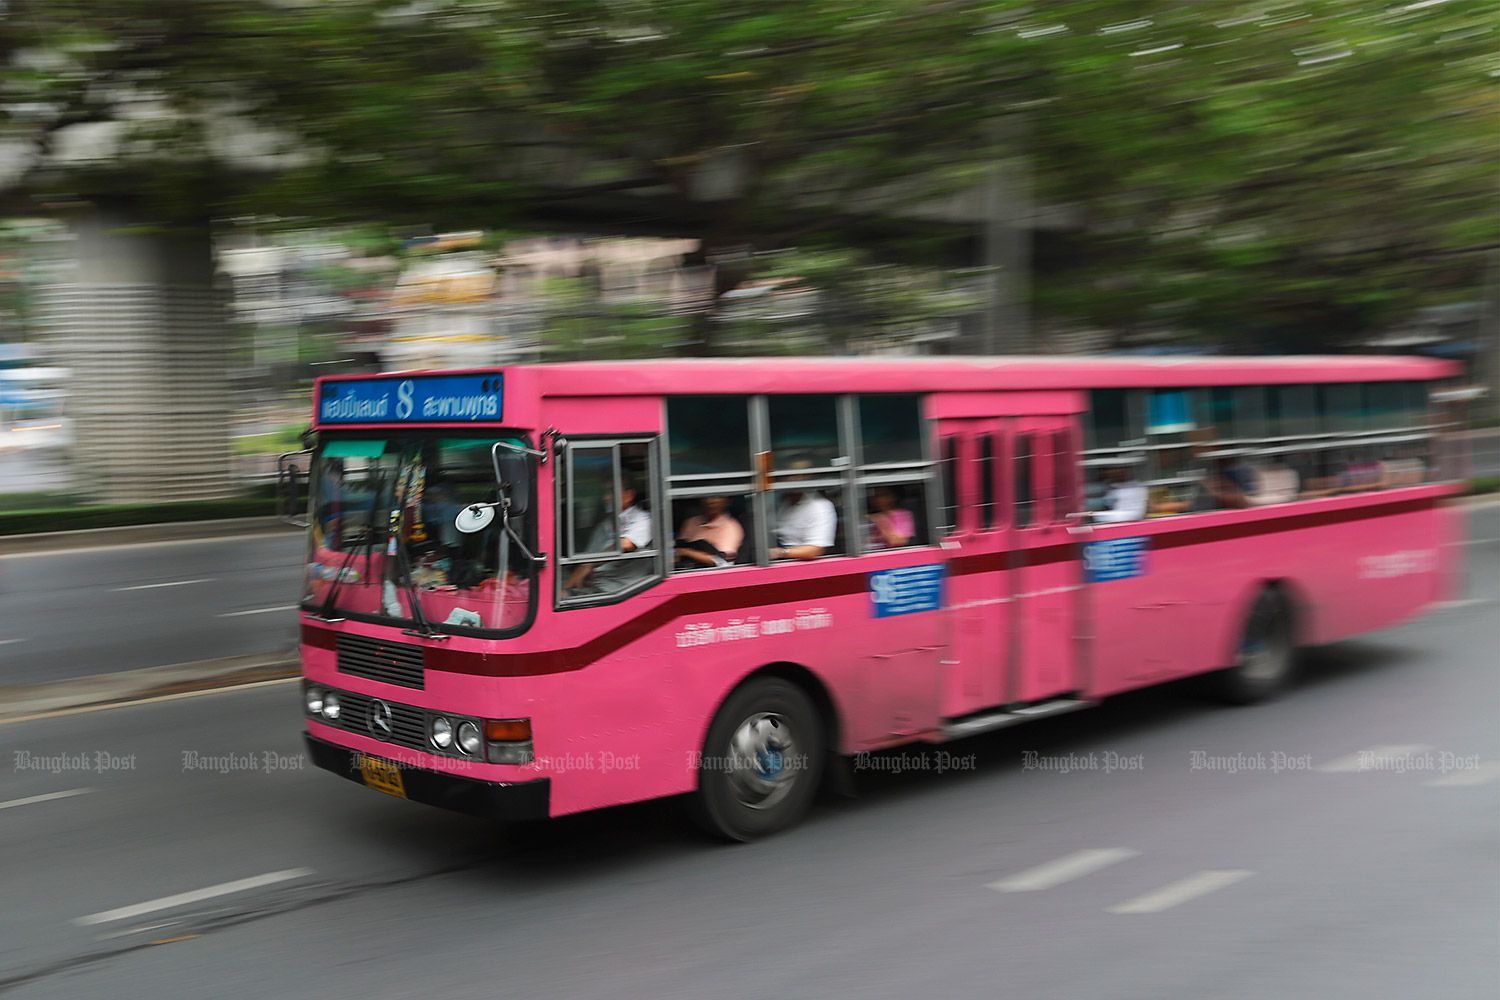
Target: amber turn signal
507, 730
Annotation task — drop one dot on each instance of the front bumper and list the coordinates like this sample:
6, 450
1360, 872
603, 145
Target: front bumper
512, 800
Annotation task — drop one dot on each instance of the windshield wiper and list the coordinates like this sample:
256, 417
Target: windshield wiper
413, 597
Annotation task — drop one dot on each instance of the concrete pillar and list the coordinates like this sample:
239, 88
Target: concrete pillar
143, 329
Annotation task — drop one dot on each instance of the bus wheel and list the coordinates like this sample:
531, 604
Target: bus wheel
1263, 664
761, 762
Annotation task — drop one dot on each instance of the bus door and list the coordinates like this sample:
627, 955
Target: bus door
971, 459
1046, 559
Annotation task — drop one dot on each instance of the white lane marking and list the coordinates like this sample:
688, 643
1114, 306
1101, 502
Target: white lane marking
1181, 891
1467, 602
158, 543
258, 611
138, 930
1477, 541
7, 642
1062, 870
45, 798
1373, 759
154, 586
1481, 775
195, 896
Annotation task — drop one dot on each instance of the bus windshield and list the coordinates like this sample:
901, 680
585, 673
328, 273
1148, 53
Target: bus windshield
384, 535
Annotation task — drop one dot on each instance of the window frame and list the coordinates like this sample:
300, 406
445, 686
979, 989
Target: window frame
563, 527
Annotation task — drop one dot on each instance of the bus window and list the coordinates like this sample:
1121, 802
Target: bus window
987, 481
890, 429
948, 462
709, 434
804, 429
1064, 489
1022, 465
712, 531
895, 516
608, 532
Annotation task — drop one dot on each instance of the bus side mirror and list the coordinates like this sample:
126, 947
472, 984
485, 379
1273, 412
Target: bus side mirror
289, 500
514, 473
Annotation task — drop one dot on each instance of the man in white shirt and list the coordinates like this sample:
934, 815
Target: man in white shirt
1126, 498
806, 523
634, 527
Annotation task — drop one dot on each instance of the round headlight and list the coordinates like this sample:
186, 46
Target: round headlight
312, 699
468, 738
441, 733
331, 706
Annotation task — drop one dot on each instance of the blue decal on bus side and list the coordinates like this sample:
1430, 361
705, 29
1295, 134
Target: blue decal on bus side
415, 399
1115, 559
906, 590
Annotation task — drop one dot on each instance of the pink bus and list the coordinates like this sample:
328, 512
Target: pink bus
539, 590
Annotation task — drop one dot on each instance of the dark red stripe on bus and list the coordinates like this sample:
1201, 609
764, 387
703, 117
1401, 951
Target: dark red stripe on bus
822, 588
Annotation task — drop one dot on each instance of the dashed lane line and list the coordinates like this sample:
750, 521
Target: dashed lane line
258, 611
1369, 760
1063, 869
1485, 773
1181, 891
155, 586
48, 797
195, 896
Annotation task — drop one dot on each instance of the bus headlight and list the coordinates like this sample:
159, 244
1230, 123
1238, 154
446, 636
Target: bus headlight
441, 732
331, 705
312, 700
468, 738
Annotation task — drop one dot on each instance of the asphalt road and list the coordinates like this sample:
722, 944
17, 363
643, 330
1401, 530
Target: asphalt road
1156, 879
91, 611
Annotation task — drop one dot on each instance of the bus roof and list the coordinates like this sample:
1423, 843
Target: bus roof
928, 374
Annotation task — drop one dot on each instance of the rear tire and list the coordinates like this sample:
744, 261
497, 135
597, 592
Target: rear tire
1266, 654
762, 761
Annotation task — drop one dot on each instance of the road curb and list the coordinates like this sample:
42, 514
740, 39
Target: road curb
26, 700
142, 534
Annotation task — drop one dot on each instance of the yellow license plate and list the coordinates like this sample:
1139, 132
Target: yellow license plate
381, 775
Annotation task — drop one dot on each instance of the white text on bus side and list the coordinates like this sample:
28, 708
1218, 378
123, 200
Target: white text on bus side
707, 633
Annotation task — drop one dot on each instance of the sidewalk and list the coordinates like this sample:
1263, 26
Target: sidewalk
141, 534
28, 701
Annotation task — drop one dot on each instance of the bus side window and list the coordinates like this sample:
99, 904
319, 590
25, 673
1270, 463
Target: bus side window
987, 481
1022, 466
948, 465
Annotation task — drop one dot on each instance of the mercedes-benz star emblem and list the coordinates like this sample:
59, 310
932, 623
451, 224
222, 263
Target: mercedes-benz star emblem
380, 717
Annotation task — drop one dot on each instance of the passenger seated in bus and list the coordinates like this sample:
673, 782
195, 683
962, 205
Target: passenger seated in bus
806, 523
634, 527
711, 538
1124, 498
888, 525
1215, 490
1278, 483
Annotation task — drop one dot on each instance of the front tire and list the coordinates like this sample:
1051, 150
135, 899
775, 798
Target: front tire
1266, 654
762, 761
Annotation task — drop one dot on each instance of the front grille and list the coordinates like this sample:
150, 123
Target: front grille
408, 728
375, 660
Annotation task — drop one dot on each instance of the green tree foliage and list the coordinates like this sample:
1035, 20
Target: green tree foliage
1287, 176
1247, 170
